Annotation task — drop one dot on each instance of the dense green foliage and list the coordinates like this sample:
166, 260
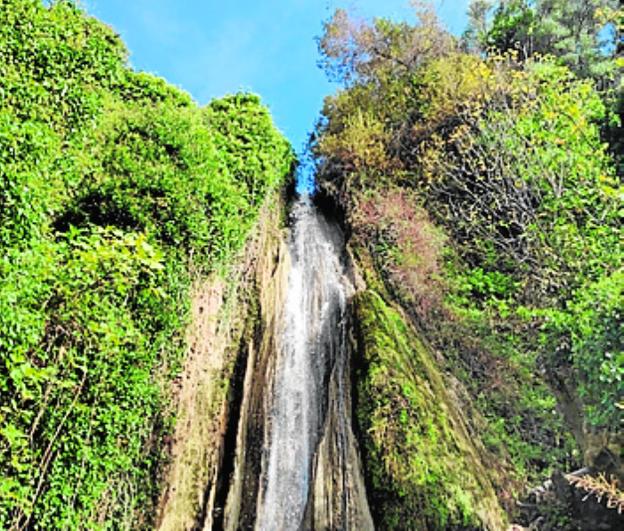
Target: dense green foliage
484, 190
587, 36
577, 32
423, 469
113, 186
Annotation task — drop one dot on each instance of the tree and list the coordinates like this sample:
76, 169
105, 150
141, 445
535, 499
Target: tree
355, 51
581, 33
477, 25
513, 28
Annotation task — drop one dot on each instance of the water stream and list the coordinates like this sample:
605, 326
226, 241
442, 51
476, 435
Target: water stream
310, 470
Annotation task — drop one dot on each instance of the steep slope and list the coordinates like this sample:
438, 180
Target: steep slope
427, 468
227, 320
117, 195
482, 209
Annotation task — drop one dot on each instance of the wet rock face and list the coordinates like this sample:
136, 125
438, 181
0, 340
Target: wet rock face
256, 351
338, 499
296, 459
208, 392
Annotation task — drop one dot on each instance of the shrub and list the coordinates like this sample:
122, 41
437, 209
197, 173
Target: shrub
113, 186
406, 245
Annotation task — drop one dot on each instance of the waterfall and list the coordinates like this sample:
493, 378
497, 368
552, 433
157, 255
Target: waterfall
310, 470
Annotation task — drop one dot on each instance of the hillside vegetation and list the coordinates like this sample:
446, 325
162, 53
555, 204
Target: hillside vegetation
479, 182
115, 190
481, 177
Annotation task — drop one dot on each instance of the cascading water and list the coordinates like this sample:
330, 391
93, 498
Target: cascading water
310, 471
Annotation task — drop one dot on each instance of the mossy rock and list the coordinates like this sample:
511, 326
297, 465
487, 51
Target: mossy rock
423, 470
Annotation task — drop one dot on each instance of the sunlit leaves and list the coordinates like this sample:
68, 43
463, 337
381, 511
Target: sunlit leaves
506, 151
113, 185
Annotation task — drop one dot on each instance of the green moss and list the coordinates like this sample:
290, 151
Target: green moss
422, 468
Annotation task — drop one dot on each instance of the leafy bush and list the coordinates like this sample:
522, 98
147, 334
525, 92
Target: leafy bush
521, 188
505, 155
588, 335
113, 186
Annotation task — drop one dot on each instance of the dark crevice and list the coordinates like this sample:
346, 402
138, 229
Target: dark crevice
254, 437
228, 458
96, 208
333, 212
359, 367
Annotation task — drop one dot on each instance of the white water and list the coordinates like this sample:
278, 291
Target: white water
313, 337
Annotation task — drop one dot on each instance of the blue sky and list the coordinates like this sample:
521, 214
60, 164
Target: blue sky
211, 48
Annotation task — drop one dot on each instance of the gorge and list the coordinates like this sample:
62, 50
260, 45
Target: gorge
308, 470
429, 338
